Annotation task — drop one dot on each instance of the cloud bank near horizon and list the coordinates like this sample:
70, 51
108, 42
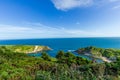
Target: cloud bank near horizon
42, 31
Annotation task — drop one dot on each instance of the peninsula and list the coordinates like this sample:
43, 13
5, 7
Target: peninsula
107, 55
27, 48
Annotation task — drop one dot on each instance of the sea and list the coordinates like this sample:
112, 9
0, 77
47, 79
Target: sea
67, 44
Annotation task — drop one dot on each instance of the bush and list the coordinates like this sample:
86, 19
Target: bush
45, 56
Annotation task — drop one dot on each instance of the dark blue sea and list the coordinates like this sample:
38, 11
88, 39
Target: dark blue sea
66, 44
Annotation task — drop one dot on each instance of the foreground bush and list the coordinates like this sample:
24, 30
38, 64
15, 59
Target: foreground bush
66, 66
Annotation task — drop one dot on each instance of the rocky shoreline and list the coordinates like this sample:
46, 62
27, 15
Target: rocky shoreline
39, 49
93, 52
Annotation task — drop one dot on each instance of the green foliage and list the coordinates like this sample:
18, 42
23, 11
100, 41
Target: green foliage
69, 58
45, 56
25, 48
95, 52
60, 55
66, 66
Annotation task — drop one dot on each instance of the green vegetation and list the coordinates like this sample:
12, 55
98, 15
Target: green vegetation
66, 66
69, 59
111, 54
45, 56
27, 48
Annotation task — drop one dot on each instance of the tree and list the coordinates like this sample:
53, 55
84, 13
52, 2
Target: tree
45, 56
68, 54
60, 54
70, 58
60, 57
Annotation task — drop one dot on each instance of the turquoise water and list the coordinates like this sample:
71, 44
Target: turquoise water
66, 44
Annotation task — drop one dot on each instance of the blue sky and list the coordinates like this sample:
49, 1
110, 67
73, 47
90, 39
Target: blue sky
21, 19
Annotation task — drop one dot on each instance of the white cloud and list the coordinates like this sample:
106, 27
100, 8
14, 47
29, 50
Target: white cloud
69, 4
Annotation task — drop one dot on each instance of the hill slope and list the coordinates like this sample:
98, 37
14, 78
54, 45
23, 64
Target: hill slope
27, 48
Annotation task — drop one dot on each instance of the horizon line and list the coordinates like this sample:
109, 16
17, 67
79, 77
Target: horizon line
59, 38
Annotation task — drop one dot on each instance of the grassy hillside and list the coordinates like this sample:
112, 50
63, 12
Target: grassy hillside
26, 48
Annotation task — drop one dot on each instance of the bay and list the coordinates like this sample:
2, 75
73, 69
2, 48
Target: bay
67, 44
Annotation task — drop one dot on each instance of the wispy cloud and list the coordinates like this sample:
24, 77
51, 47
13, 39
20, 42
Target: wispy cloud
37, 30
69, 4
113, 0
116, 7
